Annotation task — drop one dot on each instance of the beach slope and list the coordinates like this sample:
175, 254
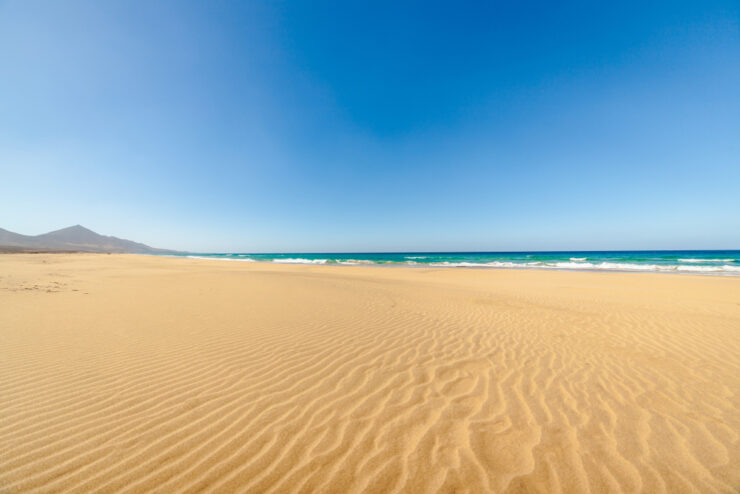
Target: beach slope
125, 373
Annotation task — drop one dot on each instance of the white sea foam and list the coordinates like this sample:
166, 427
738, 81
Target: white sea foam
725, 268
602, 266
242, 259
299, 260
448, 264
465, 264
577, 258
623, 266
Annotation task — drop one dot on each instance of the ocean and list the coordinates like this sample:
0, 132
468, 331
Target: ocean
718, 262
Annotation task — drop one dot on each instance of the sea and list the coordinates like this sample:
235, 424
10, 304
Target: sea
715, 262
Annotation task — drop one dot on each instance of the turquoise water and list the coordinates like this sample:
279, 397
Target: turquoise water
725, 262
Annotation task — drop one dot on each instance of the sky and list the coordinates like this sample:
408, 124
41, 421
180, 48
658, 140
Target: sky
373, 126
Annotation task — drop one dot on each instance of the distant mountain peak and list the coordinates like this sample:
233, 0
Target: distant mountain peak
73, 238
73, 228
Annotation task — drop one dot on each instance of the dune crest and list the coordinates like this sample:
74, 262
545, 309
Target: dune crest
144, 374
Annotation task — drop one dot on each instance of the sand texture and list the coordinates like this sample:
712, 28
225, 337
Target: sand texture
129, 374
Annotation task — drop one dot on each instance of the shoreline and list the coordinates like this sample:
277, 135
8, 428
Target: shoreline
691, 267
420, 265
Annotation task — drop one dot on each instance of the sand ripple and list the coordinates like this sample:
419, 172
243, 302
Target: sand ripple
139, 374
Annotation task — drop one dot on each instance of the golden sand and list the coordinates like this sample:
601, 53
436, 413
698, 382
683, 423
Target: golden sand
143, 374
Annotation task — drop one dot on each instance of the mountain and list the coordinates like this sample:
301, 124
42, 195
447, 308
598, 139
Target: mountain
74, 238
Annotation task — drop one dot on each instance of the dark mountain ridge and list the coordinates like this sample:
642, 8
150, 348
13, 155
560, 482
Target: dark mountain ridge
73, 239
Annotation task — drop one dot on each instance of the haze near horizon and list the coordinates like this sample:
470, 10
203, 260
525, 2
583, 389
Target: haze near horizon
322, 127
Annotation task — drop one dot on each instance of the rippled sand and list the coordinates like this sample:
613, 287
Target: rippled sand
144, 374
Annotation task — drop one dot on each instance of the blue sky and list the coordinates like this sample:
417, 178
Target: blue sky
316, 126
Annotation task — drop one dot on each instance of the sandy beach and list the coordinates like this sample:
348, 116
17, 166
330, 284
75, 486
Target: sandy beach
125, 373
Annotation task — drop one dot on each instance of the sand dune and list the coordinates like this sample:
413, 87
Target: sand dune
143, 374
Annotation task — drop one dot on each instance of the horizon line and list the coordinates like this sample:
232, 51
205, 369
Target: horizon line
462, 251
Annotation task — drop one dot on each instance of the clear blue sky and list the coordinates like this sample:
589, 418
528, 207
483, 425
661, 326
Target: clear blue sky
314, 126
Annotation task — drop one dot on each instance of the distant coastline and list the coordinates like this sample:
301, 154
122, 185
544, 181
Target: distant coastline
72, 239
